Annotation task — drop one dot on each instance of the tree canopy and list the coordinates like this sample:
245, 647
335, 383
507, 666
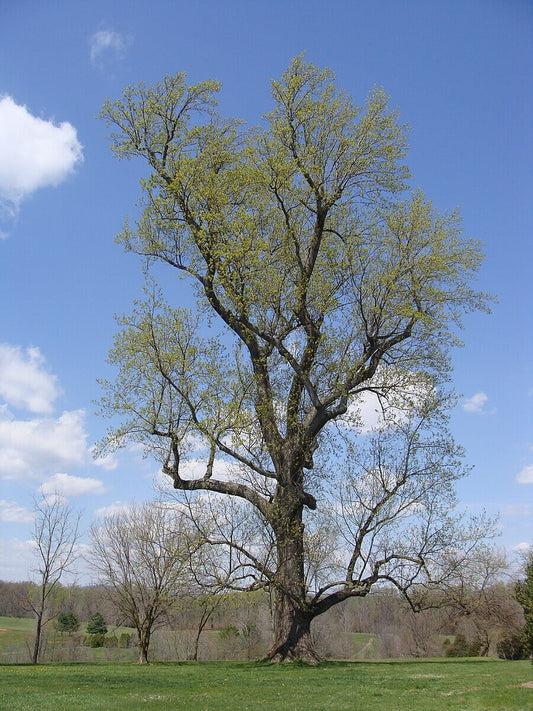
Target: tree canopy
67, 622
321, 281
97, 624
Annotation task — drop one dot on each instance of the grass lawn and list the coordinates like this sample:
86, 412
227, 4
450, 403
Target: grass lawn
404, 685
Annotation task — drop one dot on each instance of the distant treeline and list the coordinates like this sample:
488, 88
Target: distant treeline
239, 626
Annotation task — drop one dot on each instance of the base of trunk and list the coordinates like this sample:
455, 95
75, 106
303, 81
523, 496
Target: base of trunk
302, 651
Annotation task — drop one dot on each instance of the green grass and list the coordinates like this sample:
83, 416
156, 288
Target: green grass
384, 686
20, 624
15, 634
14, 630
363, 645
26, 625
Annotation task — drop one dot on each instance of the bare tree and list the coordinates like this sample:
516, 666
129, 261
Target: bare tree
55, 534
207, 602
478, 597
141, 556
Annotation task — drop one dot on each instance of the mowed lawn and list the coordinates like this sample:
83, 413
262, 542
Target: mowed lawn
372, 686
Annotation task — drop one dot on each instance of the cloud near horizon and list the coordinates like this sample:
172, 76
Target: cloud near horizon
523, 547
517, 510
117, 507
34, 153
16, 566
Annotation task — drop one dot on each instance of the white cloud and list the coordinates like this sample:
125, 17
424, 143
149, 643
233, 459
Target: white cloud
365, 410
31, 448
24, 380
5, 413
115, 508
18, 561
517, 510
35, 447
194, 468
522, 547
16, 558
11, 512
526, 475
107, 461
195, 443
107, 44
68, 485
476, 403
34, 153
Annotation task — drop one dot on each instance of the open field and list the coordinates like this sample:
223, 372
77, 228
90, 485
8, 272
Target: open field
16, 640
16, 635
385, 686
106, 682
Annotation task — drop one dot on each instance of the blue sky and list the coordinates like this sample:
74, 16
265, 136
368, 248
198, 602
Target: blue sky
460, 74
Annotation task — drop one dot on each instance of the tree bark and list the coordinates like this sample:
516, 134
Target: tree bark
203, 621
292, 633
144, 644
292, 618
37, 642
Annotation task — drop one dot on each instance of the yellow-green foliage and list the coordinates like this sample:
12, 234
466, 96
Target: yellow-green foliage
319, 275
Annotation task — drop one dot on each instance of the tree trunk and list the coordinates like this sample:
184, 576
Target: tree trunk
199, 631
484, 644
292, 618
144, 644
292, 633
37, 643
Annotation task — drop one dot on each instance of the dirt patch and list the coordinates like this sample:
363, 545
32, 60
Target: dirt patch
527, 685
2, 629
460, 691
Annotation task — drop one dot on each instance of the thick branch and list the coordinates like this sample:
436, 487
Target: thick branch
221, 487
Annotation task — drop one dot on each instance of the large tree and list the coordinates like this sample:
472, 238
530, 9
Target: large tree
320, 280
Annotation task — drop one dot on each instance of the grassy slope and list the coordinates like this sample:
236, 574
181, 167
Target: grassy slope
27, 625
384, 686
17, 634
